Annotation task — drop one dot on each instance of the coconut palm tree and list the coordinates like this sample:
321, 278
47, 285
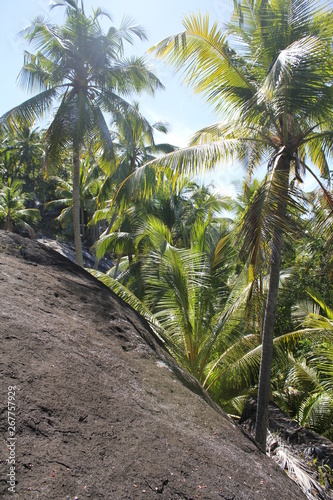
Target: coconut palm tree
269, 76
12, 207
82, 70
309, 374
184, 289
134, 144
134, 141
24, 150
91, 178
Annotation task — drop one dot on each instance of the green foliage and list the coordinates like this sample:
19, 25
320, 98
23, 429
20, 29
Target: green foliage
307, 385
22, 156
90, 182
12, 206
325, 475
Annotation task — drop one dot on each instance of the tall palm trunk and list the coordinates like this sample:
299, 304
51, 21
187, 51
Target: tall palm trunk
76, 205
270, 311
83, 232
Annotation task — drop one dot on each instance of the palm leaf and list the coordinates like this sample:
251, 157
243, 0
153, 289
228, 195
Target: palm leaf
202, 54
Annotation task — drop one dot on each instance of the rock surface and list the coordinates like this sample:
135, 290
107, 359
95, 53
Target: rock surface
101, 410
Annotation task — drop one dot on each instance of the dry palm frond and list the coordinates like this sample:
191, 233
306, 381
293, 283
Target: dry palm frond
296, 468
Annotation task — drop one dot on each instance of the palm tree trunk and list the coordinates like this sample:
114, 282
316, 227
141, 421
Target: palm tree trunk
76, 205
270, 311
117, 267
82, 223
8, 224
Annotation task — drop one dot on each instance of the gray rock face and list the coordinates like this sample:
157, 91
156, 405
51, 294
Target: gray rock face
102, 411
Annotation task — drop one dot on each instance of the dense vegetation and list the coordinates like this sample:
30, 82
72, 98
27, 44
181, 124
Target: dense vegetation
208, 283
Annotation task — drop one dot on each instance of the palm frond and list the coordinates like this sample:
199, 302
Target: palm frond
202, 54
326, 310
30, 110
287, 460
298, 67
128, 297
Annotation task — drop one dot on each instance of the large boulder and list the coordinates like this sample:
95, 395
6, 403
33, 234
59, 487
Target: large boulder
101, 410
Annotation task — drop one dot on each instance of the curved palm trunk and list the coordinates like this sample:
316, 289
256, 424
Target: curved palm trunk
76, 205
270, 312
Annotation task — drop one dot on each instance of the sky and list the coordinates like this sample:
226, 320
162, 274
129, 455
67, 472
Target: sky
176, 105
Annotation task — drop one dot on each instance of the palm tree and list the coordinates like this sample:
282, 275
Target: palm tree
82, 69
12, 208
173, 211
25, 154
134, 144
310, 372
269, 76
134, 141
302, 382
91, 178
184, 288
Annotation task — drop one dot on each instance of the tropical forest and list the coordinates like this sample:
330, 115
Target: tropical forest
238, 288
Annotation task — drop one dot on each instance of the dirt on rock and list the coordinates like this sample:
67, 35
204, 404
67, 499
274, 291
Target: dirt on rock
101, 410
